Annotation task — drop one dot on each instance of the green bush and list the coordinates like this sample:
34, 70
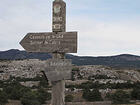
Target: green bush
76, 69
3, 98
121, 97
69, 98
108, 96
86, 93
15, 91
93, 95
35, 97
30, 98
43, 96
135, 94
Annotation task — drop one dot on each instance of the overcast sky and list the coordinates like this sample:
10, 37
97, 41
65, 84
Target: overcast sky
105, 27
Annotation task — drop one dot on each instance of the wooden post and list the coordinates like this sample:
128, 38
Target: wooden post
58, 87
58, 25
58, 96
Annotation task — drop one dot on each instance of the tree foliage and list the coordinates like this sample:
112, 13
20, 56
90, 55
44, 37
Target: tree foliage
135, 94
30, 98
15, 91
35, 97
97, 85
43, 95
3, 98
92, 95
69, 98
120, 97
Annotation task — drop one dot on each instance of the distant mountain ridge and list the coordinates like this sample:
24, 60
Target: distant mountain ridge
118, 61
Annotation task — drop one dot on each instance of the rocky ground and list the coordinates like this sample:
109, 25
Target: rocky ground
80, 74
32, 68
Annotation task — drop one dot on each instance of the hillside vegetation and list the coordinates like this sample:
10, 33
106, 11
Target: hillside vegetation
120, 61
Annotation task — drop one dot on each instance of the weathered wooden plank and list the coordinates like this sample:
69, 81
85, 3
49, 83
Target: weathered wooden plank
61, 42
58, 69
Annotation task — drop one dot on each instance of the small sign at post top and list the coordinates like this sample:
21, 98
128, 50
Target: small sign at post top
59, 16
62, 42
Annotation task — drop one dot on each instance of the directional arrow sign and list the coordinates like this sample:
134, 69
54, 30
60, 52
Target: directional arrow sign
61, 42
58, 69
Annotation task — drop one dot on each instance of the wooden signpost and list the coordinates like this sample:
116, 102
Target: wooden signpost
58, 69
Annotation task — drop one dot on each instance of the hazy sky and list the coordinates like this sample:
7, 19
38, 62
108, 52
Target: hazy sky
105, 27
